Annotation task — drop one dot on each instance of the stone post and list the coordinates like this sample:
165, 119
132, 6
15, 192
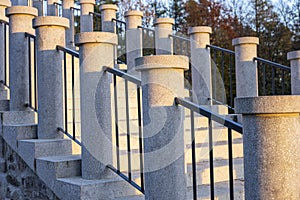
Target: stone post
67, 12
134, 46
52, 8
3, 59
245, 66
86, 20
271, 135
294, 58
39, 5
201, 64
96, 50
50, 32
162, 81
20, 19
108, 12
163, 28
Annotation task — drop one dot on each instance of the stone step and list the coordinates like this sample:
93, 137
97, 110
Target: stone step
4, 105
54, 167
13, 133
30, 150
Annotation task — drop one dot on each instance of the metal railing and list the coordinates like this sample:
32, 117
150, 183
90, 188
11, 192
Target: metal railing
70, 69
211, 117
181, 45
4, 79
97, 26
121, 48
128, 79
273, 78
76, 16
58, 8
32, 72
148, 41
223, 72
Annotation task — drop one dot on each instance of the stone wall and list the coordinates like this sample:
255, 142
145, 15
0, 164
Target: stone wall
17, 180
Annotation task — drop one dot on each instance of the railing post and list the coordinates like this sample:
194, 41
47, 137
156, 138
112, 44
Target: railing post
271, 138
162, 81
245, 66
96, 51
201, 64
39, 5
294, 58
86, 20
50, 32
163, 28
52, 8
3, 56
67, 12
108, 12
20, 19
133, 37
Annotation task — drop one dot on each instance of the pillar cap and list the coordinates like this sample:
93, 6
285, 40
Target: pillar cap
199, 29
87, 2
96, 37
162, 62
5, 3
294, 55
50, 21
245, 40
164, 21
108, 7
134, 13
25, 10
267, 104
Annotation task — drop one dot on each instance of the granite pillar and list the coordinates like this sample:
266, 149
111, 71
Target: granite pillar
164, 165
294, 58
50, 32
271, 140
245, 66
201, 64
67, 12
96, 51
163, 28
86, 19
134, 46
20, 19
108, 12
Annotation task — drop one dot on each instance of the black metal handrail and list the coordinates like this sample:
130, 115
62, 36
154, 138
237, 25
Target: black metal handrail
224, 63
67, 120
5, 67
274, 78
127, 78
212, 117
32, 72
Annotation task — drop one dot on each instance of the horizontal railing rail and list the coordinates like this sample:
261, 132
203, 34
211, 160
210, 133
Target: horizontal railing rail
273, 78
71, 116
212, 117
32, 72
127, 78
220, 49
4, 78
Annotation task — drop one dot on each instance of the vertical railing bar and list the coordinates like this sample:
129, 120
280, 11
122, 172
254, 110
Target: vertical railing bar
215, 74
140, 138
154, 47
5, 55
282, 82
128, 130
35, 75
194, 169
230, 162
273, 80
29, 70
230, 80
223, 72
73, 97
211, 161
116, 122
66, 94
264, 79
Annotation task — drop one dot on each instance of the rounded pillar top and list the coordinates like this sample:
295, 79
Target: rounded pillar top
108, 7
294, 55
245, 40
162, 62
137, 13
267, 105
50, 21
159, 21
22, 10
5, 3
87, 2
96, 37
199, 29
